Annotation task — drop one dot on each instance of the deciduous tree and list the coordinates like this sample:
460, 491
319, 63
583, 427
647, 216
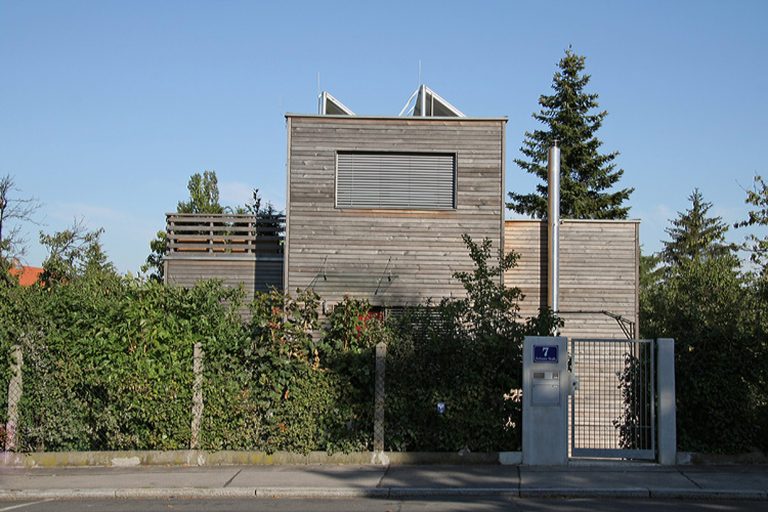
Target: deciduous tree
13, 212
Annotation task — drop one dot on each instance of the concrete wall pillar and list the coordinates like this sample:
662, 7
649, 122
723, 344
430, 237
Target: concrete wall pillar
14, 397
667, 410
378, 407
197, 396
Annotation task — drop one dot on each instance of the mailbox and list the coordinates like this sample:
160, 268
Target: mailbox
545, 388
547, 382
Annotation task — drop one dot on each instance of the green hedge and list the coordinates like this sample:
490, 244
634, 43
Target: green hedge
108, 365
718, 321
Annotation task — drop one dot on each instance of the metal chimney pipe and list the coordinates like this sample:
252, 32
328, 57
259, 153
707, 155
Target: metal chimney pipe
553, 231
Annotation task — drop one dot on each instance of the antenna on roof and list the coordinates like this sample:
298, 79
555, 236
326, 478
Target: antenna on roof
419, 71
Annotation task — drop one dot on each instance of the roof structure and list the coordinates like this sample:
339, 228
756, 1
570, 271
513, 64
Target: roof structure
424, 102
27, 275
328, 105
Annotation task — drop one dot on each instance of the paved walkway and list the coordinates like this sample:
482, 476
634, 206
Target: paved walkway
617, 481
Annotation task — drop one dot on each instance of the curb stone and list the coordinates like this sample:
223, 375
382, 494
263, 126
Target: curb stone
321, 492
415, 492
710, 494
570, 492
378, 492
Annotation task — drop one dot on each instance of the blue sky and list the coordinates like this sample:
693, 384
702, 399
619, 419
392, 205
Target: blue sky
107, 107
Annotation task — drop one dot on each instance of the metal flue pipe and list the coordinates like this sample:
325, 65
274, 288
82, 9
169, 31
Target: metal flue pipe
553, 231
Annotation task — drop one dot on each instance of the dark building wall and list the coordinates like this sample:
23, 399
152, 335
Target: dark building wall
390, 257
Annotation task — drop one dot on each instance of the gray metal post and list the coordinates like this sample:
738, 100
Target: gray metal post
14, 396
378, 407
665, 387
553, 231
197, 396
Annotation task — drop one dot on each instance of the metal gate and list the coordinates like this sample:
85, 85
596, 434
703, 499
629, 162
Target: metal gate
613, 413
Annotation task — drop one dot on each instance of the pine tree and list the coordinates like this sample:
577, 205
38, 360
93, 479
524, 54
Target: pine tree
694, 235
585, 175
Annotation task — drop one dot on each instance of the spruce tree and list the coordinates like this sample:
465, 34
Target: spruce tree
586, 176
694, 235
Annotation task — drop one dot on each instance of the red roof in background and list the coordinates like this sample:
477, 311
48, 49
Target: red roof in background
27, 275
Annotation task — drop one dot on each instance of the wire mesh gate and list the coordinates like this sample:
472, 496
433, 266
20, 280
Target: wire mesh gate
613, 412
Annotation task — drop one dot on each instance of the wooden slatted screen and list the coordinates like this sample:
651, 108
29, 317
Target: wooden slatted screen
422, 181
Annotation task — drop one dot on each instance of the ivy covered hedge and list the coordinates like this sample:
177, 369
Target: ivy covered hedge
108, 365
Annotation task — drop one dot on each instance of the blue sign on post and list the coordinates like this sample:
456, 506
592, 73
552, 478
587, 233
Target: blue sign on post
545, 354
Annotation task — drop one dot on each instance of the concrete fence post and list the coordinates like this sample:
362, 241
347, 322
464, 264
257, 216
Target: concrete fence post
378, 407
14, 397
197, 396
667, 410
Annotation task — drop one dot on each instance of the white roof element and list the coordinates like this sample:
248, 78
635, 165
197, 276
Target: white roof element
328, 105
429, 104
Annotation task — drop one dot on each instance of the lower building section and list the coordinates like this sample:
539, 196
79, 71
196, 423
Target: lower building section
599, 274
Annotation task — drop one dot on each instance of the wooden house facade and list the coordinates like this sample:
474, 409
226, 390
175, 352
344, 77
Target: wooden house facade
377, 207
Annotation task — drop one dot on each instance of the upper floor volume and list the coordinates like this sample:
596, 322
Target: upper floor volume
376, 206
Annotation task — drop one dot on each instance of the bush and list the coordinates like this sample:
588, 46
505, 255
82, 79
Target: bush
467, 354
706, 306
108, 362
108, 366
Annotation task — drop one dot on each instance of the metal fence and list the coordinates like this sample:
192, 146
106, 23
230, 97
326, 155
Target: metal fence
613, 412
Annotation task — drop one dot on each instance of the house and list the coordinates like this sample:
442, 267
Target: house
27, 276
376, 209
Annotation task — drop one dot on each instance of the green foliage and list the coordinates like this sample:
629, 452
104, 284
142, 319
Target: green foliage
154, 263
268, 389
694, 235
467, 354
108, 365
587, 175
203, 194
715, 314
203, 198
73, 253
757, 246
702, 305
108, 362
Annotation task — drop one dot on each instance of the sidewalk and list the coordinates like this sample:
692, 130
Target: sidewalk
345, 481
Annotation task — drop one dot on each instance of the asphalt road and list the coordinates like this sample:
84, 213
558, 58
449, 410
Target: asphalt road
375, 505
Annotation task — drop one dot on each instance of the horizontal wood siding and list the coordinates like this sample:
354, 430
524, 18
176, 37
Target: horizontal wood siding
598, 272
390, 257
259, 274
529, 240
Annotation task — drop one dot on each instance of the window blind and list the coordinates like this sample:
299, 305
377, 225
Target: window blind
395, 180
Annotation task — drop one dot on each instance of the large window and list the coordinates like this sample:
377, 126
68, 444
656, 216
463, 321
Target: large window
421, 181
